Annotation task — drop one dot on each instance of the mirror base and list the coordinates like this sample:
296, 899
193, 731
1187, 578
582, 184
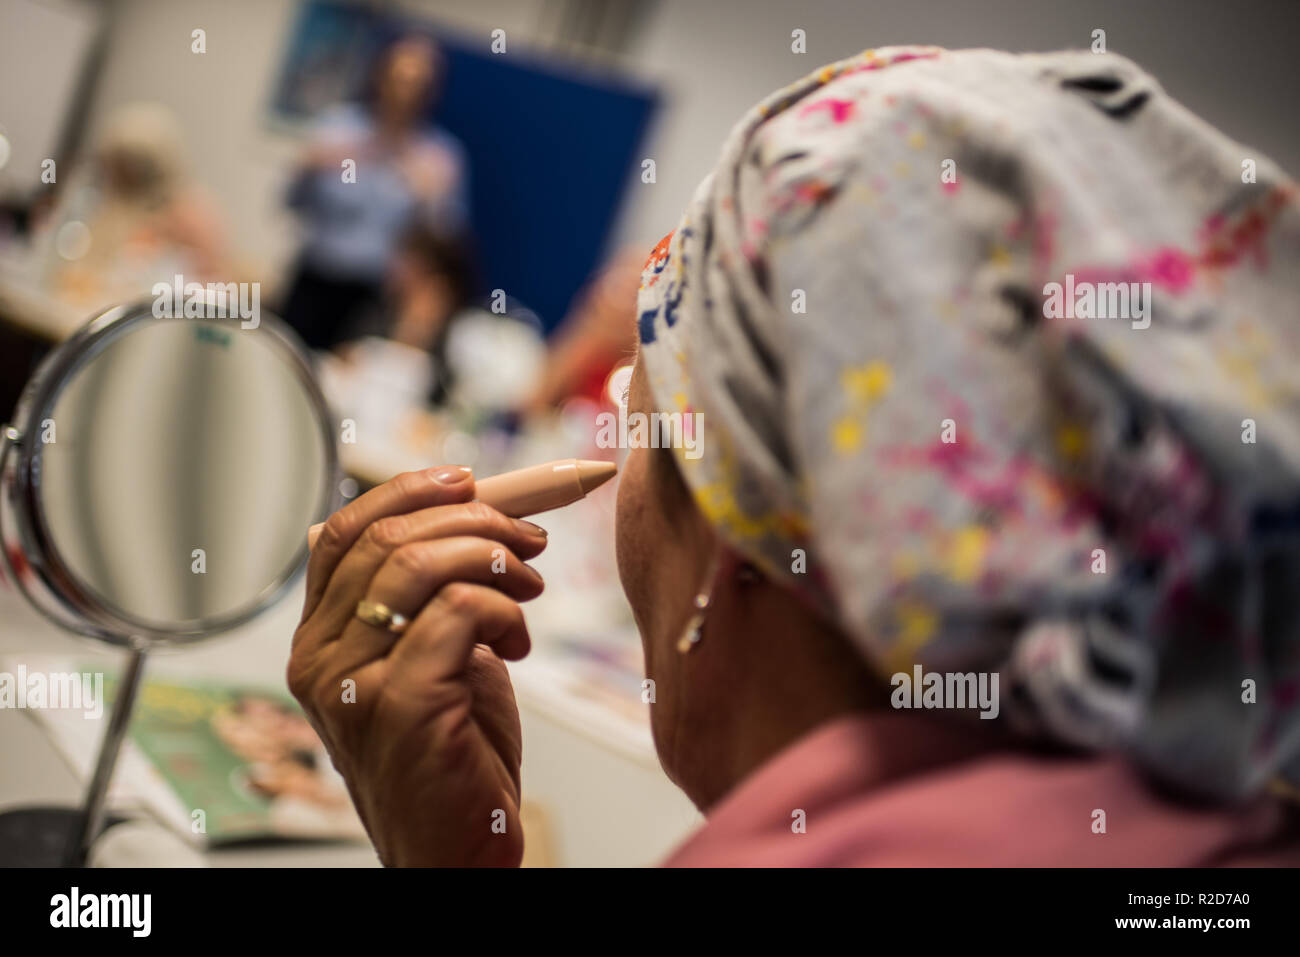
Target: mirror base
40, 836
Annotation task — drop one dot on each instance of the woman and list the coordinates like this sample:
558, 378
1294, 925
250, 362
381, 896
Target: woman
368, 178
914, 463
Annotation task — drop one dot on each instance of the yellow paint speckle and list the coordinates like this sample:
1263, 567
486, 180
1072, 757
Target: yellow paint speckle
846, 435
869, 382
966, 553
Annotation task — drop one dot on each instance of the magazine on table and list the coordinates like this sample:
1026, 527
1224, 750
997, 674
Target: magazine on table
217, 762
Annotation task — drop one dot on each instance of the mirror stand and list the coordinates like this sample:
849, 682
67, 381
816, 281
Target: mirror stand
62, 836
90, 820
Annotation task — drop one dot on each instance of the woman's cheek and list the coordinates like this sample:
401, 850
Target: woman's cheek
633, 542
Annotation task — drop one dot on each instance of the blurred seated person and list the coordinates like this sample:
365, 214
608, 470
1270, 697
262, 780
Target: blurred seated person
354, 215
598, 335
132, 216
429, 281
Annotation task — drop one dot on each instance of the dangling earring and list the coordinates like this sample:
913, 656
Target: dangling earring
694, 630
692, 634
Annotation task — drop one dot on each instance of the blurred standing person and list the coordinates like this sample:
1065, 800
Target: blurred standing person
402, 169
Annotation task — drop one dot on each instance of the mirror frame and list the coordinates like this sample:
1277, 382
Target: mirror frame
72, 603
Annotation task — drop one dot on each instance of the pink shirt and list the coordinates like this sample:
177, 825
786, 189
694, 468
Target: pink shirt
894, 790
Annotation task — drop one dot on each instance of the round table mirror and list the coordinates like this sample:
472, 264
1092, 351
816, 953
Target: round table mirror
159, 477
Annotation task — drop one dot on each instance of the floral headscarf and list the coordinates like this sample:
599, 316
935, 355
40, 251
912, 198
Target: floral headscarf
907, 421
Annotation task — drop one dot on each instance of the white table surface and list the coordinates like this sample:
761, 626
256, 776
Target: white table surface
604, 806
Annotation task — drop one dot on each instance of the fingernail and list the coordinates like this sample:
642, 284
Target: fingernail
528, 528
452, 474
313, 533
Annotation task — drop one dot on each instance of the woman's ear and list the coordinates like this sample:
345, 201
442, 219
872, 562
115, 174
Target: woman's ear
734, 567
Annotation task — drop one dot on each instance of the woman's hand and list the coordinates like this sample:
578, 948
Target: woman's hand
430, 173
328, 154
423, 727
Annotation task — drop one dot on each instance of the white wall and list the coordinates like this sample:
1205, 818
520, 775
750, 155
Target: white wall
1231, 62
713, 58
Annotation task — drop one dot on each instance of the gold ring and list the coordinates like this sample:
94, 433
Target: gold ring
377, 613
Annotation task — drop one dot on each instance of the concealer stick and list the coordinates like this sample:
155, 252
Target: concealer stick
537, 488
540, 488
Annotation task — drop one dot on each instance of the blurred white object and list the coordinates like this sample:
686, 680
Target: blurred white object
497, 360
389, 380
142, 843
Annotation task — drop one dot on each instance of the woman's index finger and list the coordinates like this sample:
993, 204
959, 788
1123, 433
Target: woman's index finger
407, 492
